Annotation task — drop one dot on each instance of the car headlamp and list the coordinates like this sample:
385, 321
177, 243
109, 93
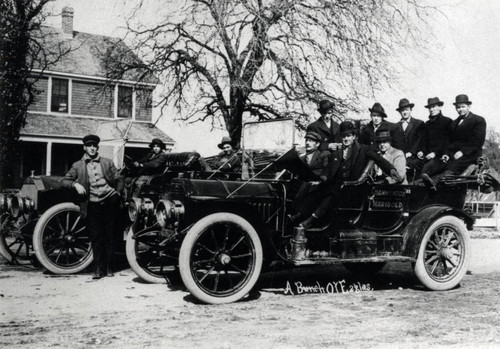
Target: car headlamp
3, 203
28, 207
13, 205
168, 211
134, 209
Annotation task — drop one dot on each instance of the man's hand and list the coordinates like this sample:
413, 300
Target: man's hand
420, 155
445, 158
395, 175
136, 164
334, 146
314, 182
79, 188
458, 155
408, 155
430, 156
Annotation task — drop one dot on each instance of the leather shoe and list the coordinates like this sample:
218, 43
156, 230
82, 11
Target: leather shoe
294, 218
309, 222
110, 273
97, 275
429, 181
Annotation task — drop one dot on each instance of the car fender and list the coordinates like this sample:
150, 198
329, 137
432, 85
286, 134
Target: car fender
418, 225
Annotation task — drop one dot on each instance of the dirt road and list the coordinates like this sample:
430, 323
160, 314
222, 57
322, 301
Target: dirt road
302, 308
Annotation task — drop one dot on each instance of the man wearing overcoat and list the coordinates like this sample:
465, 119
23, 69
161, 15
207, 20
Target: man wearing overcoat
97, 179
325, 127
408, 136
155, 161
378, 116
395, 156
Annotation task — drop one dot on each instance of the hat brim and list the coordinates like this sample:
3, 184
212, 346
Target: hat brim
468, 103
221, 145
384, 115
411, 105
162, 146
438, 104
91, 143
383, 139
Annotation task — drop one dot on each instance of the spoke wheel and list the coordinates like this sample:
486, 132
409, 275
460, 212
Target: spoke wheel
444, 254
60, 239
149, 258
221, 258
15, 243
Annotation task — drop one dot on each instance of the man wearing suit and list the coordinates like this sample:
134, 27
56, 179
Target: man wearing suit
155, 161
437, 136
408, 136
326, 127
312, 198
467, 136
395, 156
97, 179
228, 160
378, 115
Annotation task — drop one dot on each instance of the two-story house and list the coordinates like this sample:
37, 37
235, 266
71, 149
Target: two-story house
76, 99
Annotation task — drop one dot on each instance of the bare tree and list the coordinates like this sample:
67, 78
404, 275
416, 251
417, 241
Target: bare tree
270, 59
24, 46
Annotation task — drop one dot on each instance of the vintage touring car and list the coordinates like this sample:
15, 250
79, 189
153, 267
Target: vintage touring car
222, 233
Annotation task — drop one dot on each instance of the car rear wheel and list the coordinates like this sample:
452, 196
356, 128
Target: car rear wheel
444, 254
149, 258
221, 258
15, 242
60, 239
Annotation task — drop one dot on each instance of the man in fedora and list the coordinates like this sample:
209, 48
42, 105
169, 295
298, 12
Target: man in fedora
437, 135
312, 199
99, 182
378, 116
327, 128
408, 136
395, 156
155, 161
228, 159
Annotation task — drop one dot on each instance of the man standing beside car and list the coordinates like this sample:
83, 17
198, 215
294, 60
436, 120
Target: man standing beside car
98, 180
378, 116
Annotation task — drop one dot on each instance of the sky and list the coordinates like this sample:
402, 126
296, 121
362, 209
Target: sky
466, 59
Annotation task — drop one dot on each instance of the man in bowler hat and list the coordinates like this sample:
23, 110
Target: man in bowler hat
325, 127
378, 116
155, 161
98, 180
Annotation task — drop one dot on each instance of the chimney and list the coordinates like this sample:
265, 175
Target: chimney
67, 20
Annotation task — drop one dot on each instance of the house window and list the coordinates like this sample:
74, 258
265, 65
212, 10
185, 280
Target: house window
59, 99
124, 102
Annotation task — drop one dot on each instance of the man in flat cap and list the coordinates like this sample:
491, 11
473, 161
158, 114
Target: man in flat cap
437, 134
312, 199
408, 136
98, 180
325, 127
467, 136
155, 161
378, 116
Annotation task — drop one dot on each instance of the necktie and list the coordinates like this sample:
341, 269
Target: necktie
405, 125
460, 120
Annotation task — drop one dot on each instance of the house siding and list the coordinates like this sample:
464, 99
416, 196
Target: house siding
143, 105
40, 103
91, 99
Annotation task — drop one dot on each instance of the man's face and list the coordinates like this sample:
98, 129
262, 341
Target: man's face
311, 145
376, 119
91, 149
384, 146
227, 148
348, 139
327, 116
462, 109
434, 110
156, 149
405, 112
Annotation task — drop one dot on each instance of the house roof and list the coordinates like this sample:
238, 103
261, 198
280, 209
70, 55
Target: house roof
73, 127
88, 54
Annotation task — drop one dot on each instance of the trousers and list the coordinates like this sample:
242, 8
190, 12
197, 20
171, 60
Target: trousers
101, 222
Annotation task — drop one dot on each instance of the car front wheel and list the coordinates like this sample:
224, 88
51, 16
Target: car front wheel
444, 254
221, 258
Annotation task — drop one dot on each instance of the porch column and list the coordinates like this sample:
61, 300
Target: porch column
48, 159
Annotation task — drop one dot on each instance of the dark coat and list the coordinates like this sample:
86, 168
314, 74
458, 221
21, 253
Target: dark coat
367, 134
153, 163
328, 135
319, 164
467, 137
353, 166
437, 135
412, 139
228, 163
78, 174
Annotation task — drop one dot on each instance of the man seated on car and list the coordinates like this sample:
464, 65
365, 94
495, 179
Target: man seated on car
395, 156
228, 159
313, 199
155, 161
